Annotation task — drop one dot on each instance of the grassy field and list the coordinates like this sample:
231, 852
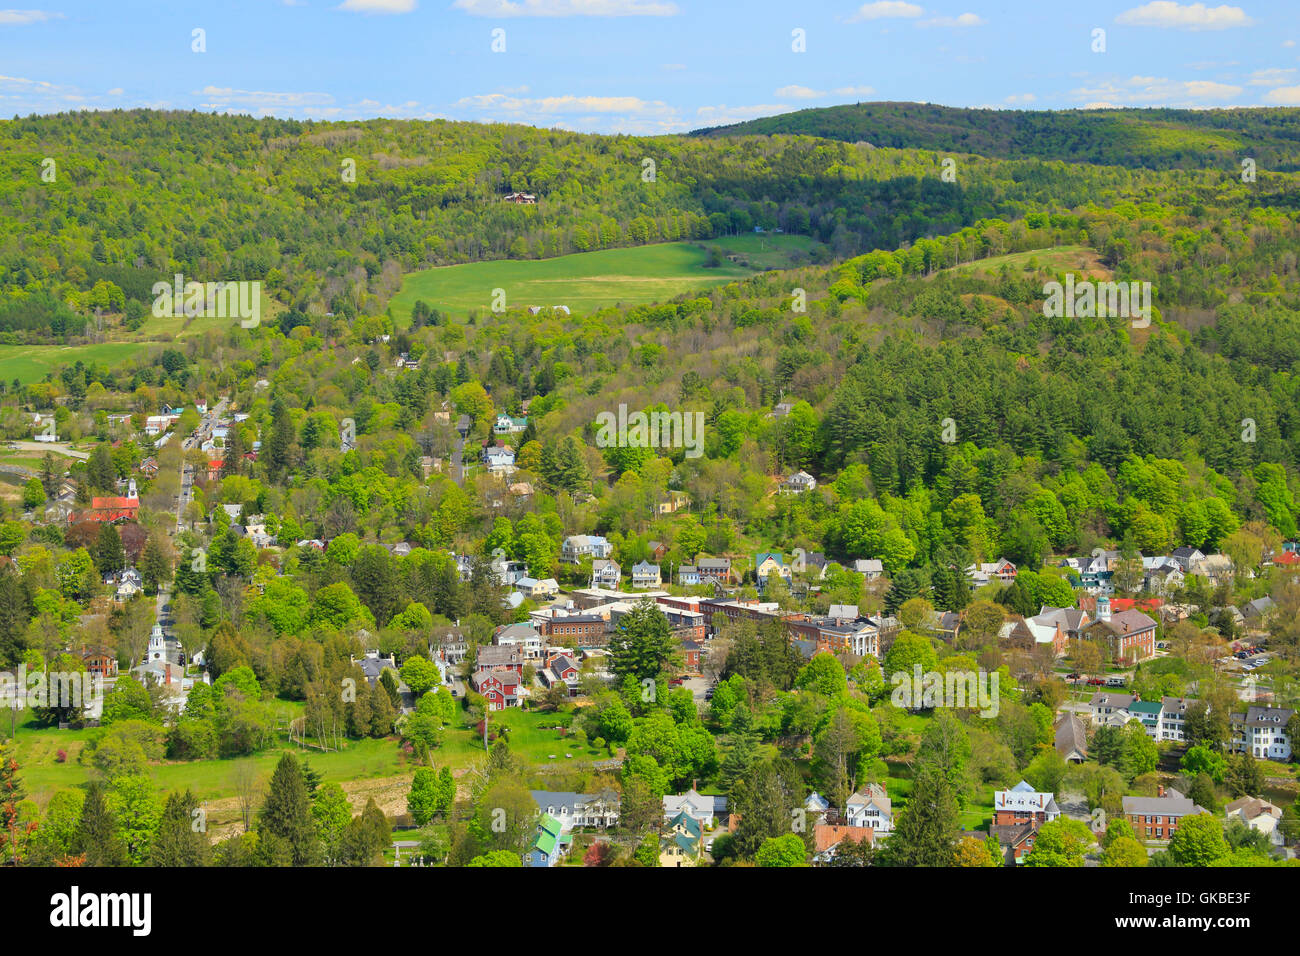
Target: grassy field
1056, 259
532, 735
586, 281
37, 751
30, 363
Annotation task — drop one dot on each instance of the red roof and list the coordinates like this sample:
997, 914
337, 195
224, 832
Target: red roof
114, 503
1287, 558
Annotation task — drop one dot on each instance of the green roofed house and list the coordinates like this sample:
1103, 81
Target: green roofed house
1147, 711
680, 846
550, 844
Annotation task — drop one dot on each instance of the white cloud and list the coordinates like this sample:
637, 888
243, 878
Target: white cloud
1196, 16
965, 20
21, 17
886, 10
115, 91
1148, 90
566, 8
1288, 42
567, 104
723, 115
1274, 76
616, 114
378, 6
228, 98
796, 92
1284, 96
853, 91
1021, 98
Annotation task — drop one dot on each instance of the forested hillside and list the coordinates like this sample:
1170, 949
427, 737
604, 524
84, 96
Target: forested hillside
139, 196
1150, 138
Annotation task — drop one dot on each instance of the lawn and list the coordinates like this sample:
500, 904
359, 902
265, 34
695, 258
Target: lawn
30, 363
531, 734
42, 773
1056, 259
586, 281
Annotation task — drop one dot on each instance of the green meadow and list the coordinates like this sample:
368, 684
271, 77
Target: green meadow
585, 281
30, 363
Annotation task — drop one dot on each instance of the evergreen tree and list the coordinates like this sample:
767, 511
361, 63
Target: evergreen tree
96, 839
232, 457
927, 827
643, 643
905, 585
286, 815
382, 715
738, 762
1244, 776
110, 554
155, 569
101, 473
181, 839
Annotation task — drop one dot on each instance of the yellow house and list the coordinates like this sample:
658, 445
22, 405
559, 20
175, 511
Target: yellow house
680, 846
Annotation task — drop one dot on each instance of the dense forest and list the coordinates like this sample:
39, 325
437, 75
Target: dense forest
1151, 138
137, 197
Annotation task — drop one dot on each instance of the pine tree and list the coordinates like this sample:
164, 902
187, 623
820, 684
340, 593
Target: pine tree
96, 838
738, 762
155, 569
286, 815
927, 826
382, 715
181, 839
232, 457
110, 554
389, 683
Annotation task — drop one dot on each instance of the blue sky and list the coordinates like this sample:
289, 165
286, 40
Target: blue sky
637, 66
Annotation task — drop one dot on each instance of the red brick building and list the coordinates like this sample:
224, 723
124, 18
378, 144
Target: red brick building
579, 630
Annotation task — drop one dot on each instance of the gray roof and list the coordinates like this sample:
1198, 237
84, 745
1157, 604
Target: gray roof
1257, 716
1172, 803
1071, 736
1103, 699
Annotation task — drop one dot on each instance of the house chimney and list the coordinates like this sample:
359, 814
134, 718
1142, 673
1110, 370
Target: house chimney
1160, 790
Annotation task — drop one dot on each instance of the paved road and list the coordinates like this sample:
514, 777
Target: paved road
58, 447
187, 472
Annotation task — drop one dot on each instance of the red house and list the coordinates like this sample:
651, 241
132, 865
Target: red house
108, 509
499, 688
99, 662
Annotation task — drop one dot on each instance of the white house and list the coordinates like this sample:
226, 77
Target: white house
871, 807
1258, 814
798, 483
646, 575
579, 546
605, 574
705, 810
1261, 732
